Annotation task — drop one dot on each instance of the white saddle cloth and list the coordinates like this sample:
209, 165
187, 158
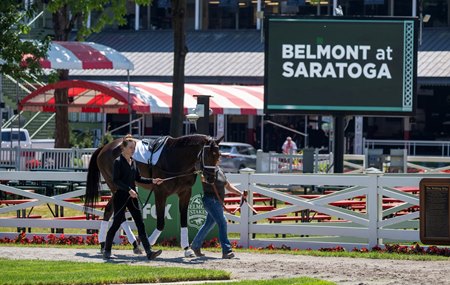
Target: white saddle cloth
142, 154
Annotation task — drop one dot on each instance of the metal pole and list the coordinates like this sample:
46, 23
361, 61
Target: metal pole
1, 101
262, 132
338, 144
197, 15
18, 154
258, 13
129, 103
306, 132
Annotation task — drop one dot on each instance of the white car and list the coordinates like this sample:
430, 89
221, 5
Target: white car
12, 136
235, 156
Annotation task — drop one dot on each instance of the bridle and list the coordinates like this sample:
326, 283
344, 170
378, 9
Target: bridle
208, 169
203, 168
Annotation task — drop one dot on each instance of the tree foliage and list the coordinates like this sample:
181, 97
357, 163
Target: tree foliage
13, 25
66, 14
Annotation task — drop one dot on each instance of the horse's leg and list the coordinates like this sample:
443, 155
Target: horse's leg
107, 159
184, 198
104, 225
160, 202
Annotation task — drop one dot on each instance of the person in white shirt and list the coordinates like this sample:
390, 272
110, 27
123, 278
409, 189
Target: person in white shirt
289, 146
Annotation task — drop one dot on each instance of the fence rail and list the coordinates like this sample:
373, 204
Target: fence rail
413, 147
372, 223
75, 159
45, 158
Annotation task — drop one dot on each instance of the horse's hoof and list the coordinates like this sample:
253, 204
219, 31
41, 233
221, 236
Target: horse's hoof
189, 253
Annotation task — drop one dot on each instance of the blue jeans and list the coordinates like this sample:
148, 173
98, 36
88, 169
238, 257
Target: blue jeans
215, 216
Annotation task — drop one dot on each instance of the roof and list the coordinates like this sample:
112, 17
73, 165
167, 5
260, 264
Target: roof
232, 56
145, 97
434, 56
220, 56
84, 55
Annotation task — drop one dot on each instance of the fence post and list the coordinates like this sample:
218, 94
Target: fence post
246, 213
374, 208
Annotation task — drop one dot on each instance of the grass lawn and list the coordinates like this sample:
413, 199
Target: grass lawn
65, 272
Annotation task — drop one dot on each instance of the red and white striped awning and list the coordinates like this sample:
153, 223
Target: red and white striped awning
84, 55
145, 97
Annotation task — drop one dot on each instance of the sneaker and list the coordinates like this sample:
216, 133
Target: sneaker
137, 250
228, 255
198, 252
153, 254
106, 254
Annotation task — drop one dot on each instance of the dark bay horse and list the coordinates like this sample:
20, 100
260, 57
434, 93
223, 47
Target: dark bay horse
179, 162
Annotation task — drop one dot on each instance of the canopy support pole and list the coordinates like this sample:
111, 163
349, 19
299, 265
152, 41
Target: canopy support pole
129, 103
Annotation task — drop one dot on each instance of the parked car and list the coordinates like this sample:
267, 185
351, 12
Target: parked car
235, 156
11, 137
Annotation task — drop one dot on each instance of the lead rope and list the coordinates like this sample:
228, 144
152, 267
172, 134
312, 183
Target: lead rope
243, 199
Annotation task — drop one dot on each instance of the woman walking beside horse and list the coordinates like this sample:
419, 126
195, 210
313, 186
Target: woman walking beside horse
125, 173
178, 162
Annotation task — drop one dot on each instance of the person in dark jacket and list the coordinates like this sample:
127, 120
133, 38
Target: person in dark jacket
125, 173
213, 204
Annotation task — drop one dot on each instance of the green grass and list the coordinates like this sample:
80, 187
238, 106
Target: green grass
66, 272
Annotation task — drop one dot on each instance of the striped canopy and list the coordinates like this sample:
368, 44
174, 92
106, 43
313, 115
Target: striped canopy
84, 55
145, 97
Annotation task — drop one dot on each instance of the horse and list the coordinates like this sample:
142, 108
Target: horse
181, 159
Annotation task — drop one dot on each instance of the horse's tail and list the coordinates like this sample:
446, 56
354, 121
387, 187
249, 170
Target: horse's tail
93, 181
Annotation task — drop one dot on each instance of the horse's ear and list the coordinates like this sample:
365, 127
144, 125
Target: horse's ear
219, 139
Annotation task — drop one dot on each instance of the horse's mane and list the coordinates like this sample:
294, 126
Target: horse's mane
189, 140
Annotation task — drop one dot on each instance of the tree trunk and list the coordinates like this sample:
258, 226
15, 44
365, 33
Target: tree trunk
62, 28
180, 51
62, 115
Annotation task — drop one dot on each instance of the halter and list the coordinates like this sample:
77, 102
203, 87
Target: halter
207, 168
203, 167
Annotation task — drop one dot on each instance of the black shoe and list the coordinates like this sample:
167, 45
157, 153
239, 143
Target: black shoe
198, 252
106, 254
228, 255
153, 254
102, 247
137, 250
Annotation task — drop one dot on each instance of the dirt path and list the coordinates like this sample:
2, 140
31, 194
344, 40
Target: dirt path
266, 266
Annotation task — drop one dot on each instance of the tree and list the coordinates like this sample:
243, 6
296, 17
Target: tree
65, 14
13, 48
180, 52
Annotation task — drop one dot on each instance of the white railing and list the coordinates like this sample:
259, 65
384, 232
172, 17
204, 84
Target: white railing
367, 227
350, 228
353, 163
413, 147
36, 159
78, 159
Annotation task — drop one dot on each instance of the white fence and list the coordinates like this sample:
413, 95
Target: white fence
45, 158
372, 225
413, 147
353, 163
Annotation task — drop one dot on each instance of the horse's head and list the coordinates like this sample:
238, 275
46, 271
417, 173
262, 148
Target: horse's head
210, 158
